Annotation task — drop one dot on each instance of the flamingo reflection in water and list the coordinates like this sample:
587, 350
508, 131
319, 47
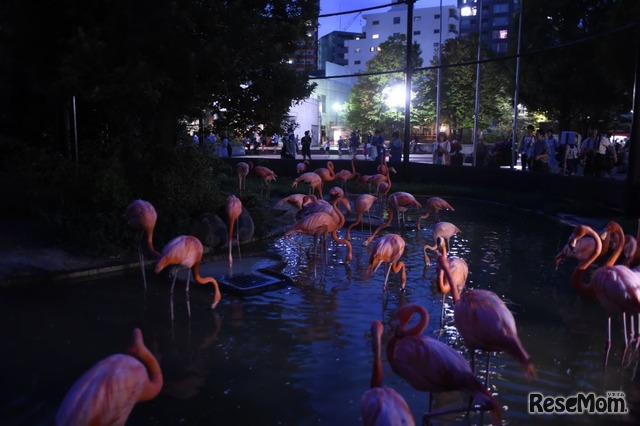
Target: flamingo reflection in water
431, 366
108, 391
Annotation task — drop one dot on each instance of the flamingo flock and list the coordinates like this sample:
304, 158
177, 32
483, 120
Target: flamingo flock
482, 318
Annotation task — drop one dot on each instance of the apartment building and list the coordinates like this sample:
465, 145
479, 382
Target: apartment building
431, 26
496, 21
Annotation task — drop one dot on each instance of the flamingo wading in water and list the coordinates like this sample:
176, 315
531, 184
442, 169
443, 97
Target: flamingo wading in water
388, 249
142, 216
186, 251
483, 319
398, 202
616, 287
108, 391
234, 210
362, 204
432, 366
434, 204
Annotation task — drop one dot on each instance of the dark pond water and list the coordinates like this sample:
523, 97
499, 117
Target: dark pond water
301, 355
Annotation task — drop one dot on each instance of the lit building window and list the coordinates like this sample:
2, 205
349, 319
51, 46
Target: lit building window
375, 36
372, 49
468, 11
357, 50
417, 18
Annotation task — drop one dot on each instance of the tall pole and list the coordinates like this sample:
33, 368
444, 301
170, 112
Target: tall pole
438, 76
407, 85
514, 138
633, 172
477, 109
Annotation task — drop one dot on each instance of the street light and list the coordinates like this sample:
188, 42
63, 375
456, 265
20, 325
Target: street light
337, 107
395, 97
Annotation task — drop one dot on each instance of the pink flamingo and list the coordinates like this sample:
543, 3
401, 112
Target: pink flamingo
313, 180
296, 200
346, 175
335, 192
583, 249
242, 170
108, 391
321, 223
267, 176
444, 230
431, 366
388, 249
363, 204
382, 405
398, 202
383, 187
326, 174
482, 318
435, 204
302, 167
186, 251
616, 287
233, 210
142, 216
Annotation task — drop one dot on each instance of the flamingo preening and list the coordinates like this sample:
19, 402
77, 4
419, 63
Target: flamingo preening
432, 366
382, 405
142, 216
108, 391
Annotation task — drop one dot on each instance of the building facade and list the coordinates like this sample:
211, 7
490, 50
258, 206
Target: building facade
431, 27
332, 48
496, 21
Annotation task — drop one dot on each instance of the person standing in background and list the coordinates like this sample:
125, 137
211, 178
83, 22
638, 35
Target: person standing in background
525, 147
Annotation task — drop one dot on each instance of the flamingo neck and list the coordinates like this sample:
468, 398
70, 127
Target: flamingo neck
376, 345
445, 270
139, 351
576, 278
617, 230
205, 280
419, 327
150, 248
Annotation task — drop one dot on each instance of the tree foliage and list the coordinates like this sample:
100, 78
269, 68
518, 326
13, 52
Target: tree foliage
138, 71
578, 62
368, 107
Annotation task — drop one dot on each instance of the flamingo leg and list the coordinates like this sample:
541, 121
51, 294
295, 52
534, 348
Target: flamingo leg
486, 380
238, 237
607, 345
626, 339
144, 274
384, 287
369, 217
